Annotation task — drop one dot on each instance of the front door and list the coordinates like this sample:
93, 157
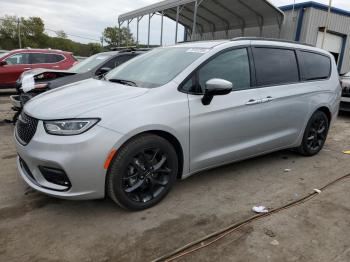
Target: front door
231, 126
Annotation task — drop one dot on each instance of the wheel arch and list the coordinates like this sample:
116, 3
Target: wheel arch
172, 139
327, 111
175, 143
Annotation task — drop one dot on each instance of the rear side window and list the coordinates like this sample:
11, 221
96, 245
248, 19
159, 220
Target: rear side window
275, 66
39, 58
314, 66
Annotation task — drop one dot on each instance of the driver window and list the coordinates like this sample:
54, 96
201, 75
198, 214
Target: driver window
232, 66
18, 59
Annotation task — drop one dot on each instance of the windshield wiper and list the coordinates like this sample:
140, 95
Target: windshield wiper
122, 81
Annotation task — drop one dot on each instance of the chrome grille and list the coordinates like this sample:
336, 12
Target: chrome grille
25, 128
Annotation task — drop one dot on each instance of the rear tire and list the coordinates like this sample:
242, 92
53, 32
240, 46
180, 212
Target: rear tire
142, 172
315, 134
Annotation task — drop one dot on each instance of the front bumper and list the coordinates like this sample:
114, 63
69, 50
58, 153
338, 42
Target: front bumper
81, 157
16, 101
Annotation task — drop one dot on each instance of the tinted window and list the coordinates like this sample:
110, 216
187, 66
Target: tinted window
232, 66
18, 59
54, 58
90, 63
118, 61
314, 66
38, 58
275, 66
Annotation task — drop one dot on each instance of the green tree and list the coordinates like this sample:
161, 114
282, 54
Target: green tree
8, 32
32, 31
114, 36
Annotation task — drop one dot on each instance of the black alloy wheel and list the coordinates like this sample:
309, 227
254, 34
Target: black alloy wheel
315, 134
142, 173
147, 175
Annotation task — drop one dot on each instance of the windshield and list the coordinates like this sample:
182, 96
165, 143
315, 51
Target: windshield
3, 54
90, 63
156, 67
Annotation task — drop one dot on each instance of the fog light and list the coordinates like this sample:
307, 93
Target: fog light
55, 176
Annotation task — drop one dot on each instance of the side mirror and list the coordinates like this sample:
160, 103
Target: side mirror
216, 87
104, 70
2, 63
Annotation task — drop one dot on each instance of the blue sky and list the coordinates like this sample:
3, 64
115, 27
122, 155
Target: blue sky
88, 18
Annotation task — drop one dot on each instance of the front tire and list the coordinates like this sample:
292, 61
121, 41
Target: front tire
142, 173
315, 134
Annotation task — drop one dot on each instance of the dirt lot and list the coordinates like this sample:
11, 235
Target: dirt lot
34, 227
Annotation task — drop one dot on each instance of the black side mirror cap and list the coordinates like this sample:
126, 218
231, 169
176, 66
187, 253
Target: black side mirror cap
104, 70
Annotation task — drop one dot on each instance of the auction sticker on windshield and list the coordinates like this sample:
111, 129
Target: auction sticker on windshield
102, 57
197, 50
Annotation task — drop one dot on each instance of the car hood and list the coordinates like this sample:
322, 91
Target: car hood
68, 79
72, 100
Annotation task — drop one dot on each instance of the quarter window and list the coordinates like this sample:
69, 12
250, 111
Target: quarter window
314, 66
53, 58
232, 66
275, 66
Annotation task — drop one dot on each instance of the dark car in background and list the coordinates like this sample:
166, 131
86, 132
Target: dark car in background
14, 63
94, 66
345, 99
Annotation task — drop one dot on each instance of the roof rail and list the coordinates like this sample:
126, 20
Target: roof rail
270, 39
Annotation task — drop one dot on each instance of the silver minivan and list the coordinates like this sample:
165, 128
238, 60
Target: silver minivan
173, 112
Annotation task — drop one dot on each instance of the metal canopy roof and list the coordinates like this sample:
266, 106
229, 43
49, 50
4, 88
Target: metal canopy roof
203, 16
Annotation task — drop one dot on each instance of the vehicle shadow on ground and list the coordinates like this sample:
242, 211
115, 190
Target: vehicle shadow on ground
35, 201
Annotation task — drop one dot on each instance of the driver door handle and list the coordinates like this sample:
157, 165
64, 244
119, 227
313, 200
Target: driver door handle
253, 102
267, 99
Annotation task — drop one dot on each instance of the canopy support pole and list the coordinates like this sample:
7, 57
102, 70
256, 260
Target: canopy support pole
120, 35
137, 31
161, 29
149, 29
279, 22
226, 8
194, 19
260, 18
177, 22
127, 39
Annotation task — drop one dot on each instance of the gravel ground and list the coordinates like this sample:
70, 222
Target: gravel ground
35, 227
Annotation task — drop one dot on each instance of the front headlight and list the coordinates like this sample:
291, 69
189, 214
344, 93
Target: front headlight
69, 127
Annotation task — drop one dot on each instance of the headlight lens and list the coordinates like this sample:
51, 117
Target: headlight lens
69, 127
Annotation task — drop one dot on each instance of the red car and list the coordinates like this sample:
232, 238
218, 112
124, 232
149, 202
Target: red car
14, 63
